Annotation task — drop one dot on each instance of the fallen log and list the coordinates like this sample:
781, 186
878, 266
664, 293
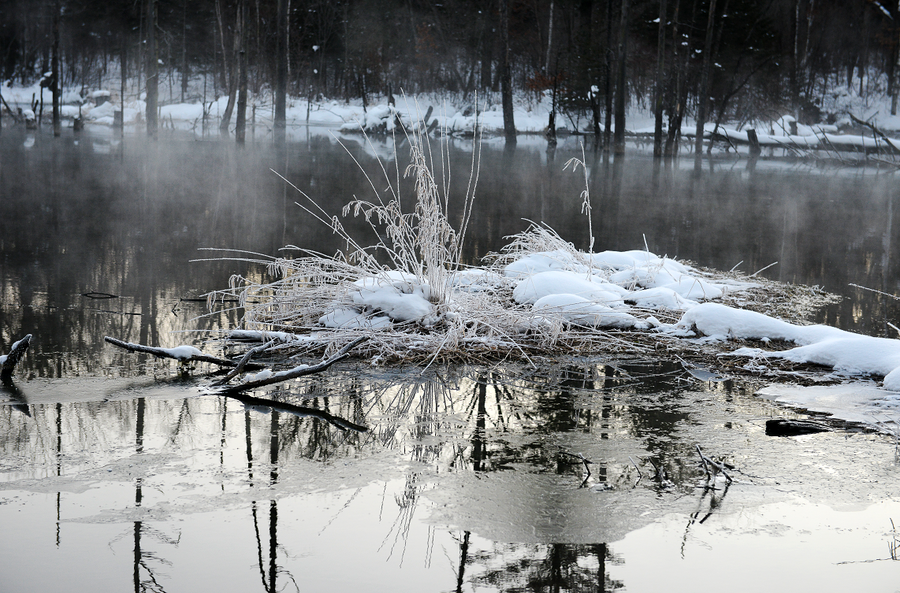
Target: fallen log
9, 361
182, 354
781, 427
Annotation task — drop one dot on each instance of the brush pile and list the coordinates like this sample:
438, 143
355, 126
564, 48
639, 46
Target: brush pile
539, 296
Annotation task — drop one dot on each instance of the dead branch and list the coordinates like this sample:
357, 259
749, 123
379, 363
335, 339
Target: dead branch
877, 132
270, 378
711, 467
8, 363
181, 354
243, 362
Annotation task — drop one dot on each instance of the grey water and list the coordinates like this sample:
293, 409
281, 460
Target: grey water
118, 473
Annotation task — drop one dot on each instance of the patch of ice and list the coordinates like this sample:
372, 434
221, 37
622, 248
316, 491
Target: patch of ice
350, 318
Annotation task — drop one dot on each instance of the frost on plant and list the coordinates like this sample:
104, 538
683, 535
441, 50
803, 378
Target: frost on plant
412, 297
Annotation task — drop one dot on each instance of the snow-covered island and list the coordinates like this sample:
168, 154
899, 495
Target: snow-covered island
538, 298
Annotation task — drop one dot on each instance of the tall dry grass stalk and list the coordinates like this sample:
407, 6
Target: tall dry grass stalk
420, 244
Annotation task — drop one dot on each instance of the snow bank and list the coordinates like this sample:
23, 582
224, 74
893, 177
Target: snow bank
843, 351
582, 311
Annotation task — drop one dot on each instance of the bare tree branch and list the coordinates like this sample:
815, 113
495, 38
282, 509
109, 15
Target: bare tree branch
181, 354
270, 378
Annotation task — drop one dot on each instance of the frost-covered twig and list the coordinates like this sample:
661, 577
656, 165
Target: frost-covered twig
876, 291
585, 195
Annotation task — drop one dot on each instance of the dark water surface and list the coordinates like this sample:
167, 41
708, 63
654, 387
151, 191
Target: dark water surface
117, 473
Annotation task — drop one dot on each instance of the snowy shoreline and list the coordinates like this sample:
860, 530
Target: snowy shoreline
458, 116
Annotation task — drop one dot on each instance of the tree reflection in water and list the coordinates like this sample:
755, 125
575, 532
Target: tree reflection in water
511, 428
145, 577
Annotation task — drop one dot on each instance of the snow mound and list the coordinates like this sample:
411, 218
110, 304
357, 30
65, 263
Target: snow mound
575, 309
183, 352
845, 352
531, 289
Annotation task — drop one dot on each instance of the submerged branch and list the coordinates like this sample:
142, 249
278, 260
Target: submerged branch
711, 467
249, 400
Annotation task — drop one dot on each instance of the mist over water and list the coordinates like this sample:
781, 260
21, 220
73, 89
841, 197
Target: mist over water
93, 213
467, 477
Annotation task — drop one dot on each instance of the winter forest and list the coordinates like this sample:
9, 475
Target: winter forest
709, 60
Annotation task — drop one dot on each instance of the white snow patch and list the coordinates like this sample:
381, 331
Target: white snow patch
182, 352
576, 309
593, 288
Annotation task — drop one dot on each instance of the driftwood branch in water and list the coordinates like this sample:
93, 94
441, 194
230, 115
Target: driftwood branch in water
270, 378
242, 364
717, 468
8, 363
181, 354
249, 400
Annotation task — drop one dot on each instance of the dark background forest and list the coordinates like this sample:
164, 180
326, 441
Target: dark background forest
751, 59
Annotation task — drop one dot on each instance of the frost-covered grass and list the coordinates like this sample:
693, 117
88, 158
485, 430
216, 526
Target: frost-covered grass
538, 296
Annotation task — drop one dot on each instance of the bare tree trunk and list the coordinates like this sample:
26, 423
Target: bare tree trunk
660, 77
607, 130
241, 37
895, 93
679, 95
152, 71
621, 81
549, 39
230, 74
184, 65
703, 92
509, 125
487, 51
55, 84
281, 71
795, 61
124, 72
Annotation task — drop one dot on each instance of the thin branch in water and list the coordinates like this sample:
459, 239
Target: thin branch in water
296, 372
181, 353
243, 362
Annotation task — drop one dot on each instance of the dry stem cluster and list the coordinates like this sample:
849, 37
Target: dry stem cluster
472, 322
